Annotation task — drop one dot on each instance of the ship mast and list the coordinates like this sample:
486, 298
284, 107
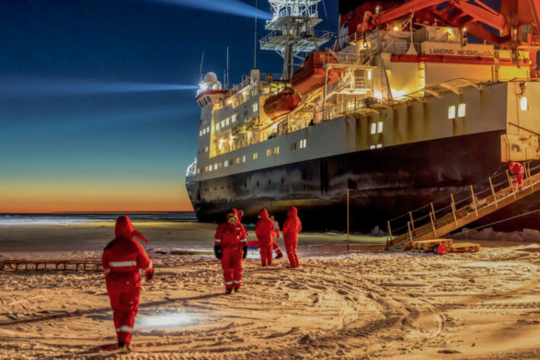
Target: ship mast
292, 31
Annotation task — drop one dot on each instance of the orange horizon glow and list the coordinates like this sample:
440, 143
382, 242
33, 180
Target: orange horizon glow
97, 196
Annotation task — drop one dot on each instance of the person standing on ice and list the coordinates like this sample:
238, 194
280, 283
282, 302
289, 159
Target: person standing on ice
122, 259
517, 170
266, 235
291, 227
255, 243
230, 247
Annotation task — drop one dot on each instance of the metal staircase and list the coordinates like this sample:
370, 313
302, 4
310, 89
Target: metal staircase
459, 214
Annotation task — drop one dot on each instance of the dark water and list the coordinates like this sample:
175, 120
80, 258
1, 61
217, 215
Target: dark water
66, 218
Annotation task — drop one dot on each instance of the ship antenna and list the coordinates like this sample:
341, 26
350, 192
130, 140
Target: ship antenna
202, 60
255, 38
227, 66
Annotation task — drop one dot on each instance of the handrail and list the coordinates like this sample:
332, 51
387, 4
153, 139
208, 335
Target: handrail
464, 196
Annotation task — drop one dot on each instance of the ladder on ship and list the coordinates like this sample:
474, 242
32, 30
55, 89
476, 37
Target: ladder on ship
462, 209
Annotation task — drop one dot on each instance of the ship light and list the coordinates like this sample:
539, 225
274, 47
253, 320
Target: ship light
377, 95
229, 102
450, 31
396, 28
231, 140
369, 75
365, 45
524, 103
221, 141
397, 94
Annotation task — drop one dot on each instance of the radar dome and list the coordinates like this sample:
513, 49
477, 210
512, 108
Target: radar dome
210, 77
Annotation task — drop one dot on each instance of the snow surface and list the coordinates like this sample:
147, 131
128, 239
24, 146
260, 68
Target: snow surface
365, 305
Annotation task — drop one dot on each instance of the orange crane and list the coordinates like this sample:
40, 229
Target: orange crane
517, 22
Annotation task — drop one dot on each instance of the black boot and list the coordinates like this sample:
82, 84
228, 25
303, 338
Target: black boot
228, 291
279, 256
236, 290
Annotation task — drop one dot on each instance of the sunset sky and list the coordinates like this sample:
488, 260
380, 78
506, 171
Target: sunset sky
71, 138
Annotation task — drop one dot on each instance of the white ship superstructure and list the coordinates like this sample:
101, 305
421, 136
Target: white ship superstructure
402, 97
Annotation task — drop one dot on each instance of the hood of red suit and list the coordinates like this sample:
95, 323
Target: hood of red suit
263, 214
292, 211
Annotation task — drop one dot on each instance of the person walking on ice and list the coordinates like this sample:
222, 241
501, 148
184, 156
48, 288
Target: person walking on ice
291, 227
230, 247
122, 259
265, 234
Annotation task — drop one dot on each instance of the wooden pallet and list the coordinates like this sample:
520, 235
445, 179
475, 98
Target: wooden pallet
427, 246
464, 248
40, 265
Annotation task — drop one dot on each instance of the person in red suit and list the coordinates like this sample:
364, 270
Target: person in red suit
517, 170
230, 247
291, 227
275, 246
122, 259
265, 234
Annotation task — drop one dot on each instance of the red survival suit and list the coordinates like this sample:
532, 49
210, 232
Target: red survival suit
517, 170
265, 234
255, 243
291, 227
122, 259
231, 239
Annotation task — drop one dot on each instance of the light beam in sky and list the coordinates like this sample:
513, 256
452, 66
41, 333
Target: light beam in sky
233, 7
17, 87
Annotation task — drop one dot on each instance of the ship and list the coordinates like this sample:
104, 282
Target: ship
402, 110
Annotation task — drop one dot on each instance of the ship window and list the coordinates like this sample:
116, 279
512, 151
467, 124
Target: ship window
220, 165
268, 152
249, 135
215, 166
210, 168
244, 158
255, 155
226, 163
255, 107
462, 110
524, 103
276, 150
223, 124
293, 146
238, 160
206, 169
380, 127
303, 143
350, 105
373, 128
208, 129
451, 112
200, 133
198, 171
369, 75
217, 126
379, 146
227, 121
372, 147
233, 118
206, 149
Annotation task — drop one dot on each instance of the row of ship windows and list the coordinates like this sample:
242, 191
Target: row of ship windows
205, 131
462, 110
227, 163
226, 122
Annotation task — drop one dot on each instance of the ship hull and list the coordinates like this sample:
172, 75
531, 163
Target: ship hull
383, 184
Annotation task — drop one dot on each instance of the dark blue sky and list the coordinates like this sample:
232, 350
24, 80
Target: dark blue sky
109, 151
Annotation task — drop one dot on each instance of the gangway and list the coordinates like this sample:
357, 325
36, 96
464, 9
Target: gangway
460, 213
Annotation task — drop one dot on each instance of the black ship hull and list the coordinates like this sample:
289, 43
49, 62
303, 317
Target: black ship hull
383, 184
